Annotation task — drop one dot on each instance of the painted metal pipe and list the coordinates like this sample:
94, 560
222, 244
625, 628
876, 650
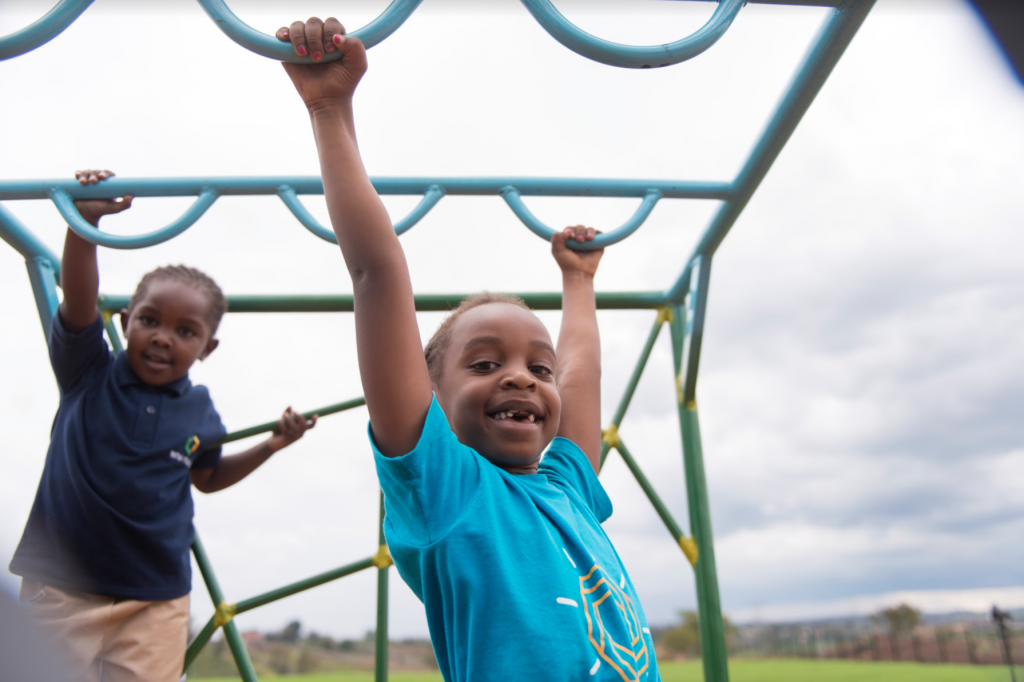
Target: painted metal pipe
269, 46
659, 506
344, 303
235, 643
709, 603
198, 642
44, 289
638, 370
65, 204
302, 585
208, 190
381, 648
22, 239
42, 30
302, 214
514, 200
405, 186
269, 426
832, 40
633, 56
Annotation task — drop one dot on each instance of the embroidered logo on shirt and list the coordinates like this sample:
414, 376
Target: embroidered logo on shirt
191, 445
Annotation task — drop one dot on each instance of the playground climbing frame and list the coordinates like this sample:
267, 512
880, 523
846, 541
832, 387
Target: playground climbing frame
682, 306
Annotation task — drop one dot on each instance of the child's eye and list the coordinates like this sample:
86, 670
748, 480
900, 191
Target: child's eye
484, 366
186, 332
541, 370
147, 321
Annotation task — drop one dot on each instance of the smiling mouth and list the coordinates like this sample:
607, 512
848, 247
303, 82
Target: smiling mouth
520, 416
155, 362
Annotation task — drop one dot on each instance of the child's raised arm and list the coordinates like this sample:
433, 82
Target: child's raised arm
579, 344
79, 272
391, 363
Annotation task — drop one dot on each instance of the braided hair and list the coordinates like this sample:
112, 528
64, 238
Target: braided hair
192, 277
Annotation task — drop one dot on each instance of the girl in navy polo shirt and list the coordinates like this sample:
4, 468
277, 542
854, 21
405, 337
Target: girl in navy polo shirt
104, 558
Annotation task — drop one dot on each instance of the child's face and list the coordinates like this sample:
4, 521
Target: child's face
167, 331
500, 360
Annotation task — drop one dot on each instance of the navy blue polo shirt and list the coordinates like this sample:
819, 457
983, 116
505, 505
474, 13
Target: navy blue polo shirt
113, 513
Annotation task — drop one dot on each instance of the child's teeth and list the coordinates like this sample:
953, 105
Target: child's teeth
531, 417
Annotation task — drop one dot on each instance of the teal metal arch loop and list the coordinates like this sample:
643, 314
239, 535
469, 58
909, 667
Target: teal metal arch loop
633, 56
269, 46
42, 30
515, 202
66, 206
433, 195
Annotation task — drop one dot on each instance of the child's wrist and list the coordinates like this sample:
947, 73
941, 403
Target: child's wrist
329, 109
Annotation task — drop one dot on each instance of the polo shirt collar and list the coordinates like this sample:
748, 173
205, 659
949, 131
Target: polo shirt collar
126, 376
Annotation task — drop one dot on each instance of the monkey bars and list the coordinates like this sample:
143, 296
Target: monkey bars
682, 306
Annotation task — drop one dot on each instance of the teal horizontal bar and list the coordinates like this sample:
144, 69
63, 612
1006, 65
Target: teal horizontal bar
11, 190
343, 303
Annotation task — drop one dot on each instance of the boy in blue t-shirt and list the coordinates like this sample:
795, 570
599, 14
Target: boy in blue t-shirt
104, 558
504, 548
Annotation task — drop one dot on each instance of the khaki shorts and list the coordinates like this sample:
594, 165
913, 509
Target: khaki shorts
115, 640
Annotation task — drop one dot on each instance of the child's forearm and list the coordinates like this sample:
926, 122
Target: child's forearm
367, 240
233, 468
391, 363
80, 280
579, 365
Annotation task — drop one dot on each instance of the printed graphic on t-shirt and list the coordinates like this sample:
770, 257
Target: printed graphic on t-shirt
605, 601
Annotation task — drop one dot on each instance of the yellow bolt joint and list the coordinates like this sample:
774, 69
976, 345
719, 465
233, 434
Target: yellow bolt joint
611, 436
689, 548
224, 614
382, 559
664, 314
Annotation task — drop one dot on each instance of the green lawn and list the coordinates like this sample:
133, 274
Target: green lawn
746, 671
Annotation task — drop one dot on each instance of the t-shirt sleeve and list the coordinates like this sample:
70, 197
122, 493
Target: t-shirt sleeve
566, 466
74, 355
213, 430
427, 490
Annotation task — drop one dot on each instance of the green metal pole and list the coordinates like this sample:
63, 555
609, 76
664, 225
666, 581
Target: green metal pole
270, 426
688, 547
686, 345
627, 396
343, 303
224, 613
383, 562
197, 643
302, 585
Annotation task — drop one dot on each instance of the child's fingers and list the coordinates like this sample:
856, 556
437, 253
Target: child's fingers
332, 27
282, 34
297, 34
315, 38
312, 422
122, 204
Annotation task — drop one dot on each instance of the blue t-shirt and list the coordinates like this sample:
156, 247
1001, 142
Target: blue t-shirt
518, 578
113, 513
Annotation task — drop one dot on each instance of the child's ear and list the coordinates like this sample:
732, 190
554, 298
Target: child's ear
123, 313
211, 346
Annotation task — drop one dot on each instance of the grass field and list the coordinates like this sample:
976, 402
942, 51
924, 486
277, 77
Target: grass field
746, 671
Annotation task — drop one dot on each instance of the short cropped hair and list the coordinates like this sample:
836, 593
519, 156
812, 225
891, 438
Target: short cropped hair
193, 277
438, 343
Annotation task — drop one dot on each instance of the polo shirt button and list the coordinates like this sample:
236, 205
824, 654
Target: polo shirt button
150, 410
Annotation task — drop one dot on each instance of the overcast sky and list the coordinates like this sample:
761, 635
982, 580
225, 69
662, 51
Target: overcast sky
860, 386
